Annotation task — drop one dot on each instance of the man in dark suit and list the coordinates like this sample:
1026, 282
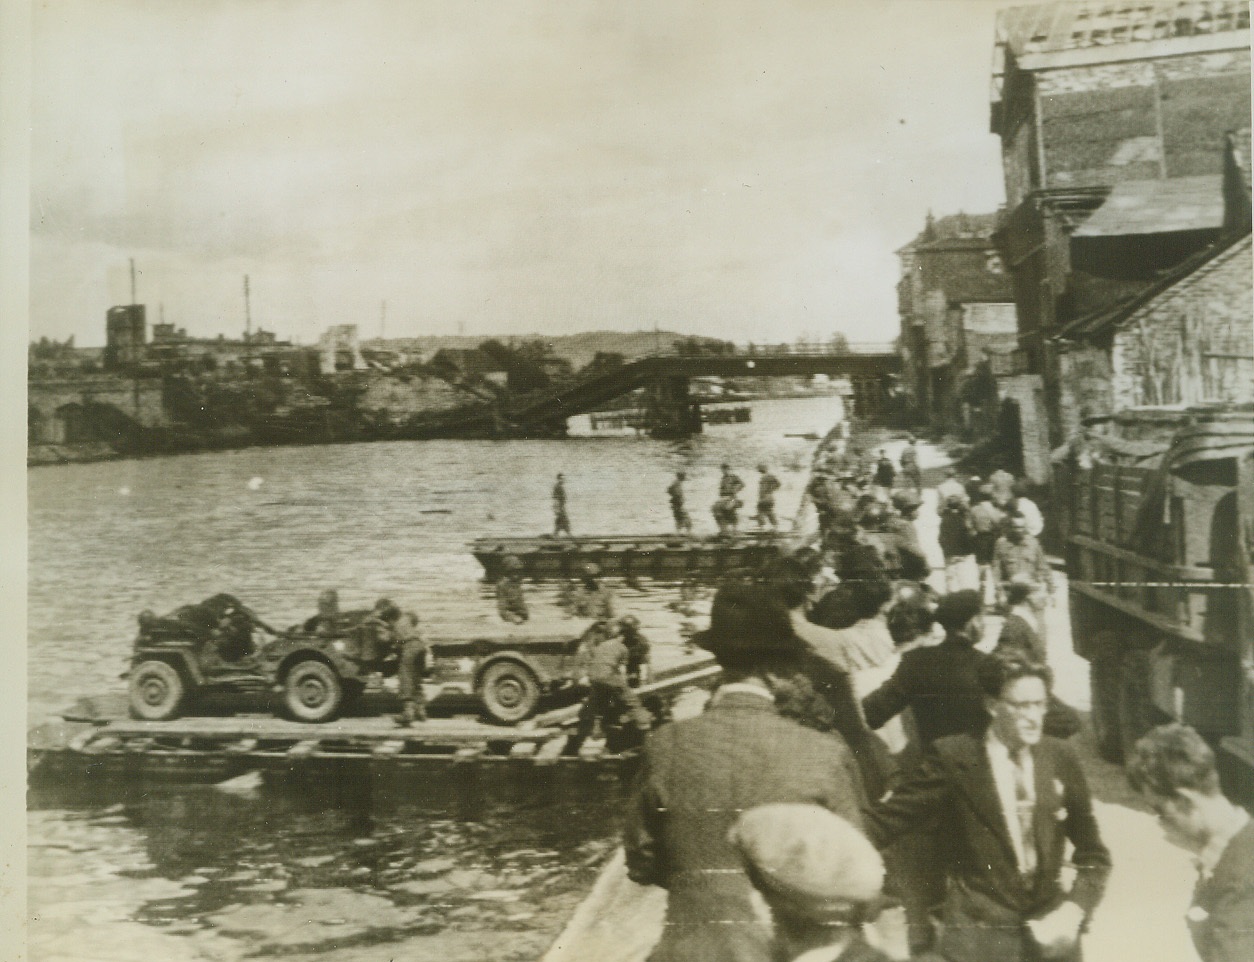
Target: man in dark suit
1008, 801
1174, 769
939, 683
698, 775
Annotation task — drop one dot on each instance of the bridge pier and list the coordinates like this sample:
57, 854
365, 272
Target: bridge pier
669, 410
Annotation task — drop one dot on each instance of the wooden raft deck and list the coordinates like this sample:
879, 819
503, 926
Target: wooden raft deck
221, 746
669, 557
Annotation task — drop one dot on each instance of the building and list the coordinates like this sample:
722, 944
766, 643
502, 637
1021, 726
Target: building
1187, 338
340, 350
958, 328
1114, 122
126, 331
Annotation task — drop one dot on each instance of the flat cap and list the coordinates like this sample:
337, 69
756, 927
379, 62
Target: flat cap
808, 862
957, 608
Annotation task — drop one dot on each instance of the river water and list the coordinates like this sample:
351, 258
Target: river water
347, 872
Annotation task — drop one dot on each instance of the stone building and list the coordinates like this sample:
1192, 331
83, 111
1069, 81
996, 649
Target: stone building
957, 320
1114, 121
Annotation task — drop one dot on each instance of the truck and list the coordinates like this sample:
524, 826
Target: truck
1157, 535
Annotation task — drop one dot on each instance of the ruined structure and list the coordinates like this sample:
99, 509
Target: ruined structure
1117, 127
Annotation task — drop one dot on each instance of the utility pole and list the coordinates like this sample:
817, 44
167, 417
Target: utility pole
248, 317
133, 300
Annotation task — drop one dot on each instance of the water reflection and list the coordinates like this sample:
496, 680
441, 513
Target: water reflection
389, 855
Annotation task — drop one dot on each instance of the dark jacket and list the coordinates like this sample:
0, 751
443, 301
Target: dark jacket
956, 532
988, 901
696, 777
1021, 638
940, 684
1221, 919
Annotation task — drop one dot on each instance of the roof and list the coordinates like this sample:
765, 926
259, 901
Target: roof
1054, 27
1100, 321
1158, 207
955, 232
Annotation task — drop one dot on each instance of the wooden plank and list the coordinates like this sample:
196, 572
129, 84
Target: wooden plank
1136, 611
367, 730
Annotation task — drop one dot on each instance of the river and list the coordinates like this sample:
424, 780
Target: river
343, 873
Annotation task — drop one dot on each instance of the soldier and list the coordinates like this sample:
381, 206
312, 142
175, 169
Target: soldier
729, 485
510, 603
1019, 555
683, 521
375, 635
590, 598
639, 660
609, 694
726, 513
561, 521
768, 484
328, 617
411, 668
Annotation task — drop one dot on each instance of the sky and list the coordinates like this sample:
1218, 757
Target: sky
733, 168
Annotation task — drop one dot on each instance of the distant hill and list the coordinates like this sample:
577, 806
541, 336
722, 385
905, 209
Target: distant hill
579, 349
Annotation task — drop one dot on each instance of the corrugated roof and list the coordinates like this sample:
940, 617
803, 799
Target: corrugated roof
1158, 207
1099, 322
1053, 27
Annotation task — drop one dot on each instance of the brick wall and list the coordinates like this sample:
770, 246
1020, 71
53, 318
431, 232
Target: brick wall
1027, 391
1101, 123
1084, 375
1194, 342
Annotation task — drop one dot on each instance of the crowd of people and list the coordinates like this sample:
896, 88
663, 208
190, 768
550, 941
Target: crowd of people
867, 747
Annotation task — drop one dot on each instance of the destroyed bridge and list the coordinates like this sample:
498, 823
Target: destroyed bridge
669, 408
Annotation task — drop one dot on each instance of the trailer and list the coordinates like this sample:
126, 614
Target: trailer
1158, 556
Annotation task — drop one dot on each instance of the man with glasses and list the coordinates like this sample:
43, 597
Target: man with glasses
1008, 802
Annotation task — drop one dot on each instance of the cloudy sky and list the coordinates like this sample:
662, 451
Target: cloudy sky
736, 168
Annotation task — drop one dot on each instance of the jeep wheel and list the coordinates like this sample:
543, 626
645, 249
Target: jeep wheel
509, 692
312, 691
156, 691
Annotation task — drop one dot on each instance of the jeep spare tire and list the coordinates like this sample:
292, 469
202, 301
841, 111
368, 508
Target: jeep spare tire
156, 691
312, 691
509, 692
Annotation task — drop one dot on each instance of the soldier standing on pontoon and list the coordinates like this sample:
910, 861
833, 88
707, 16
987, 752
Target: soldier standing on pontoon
768, 484
561, 521
683, 521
